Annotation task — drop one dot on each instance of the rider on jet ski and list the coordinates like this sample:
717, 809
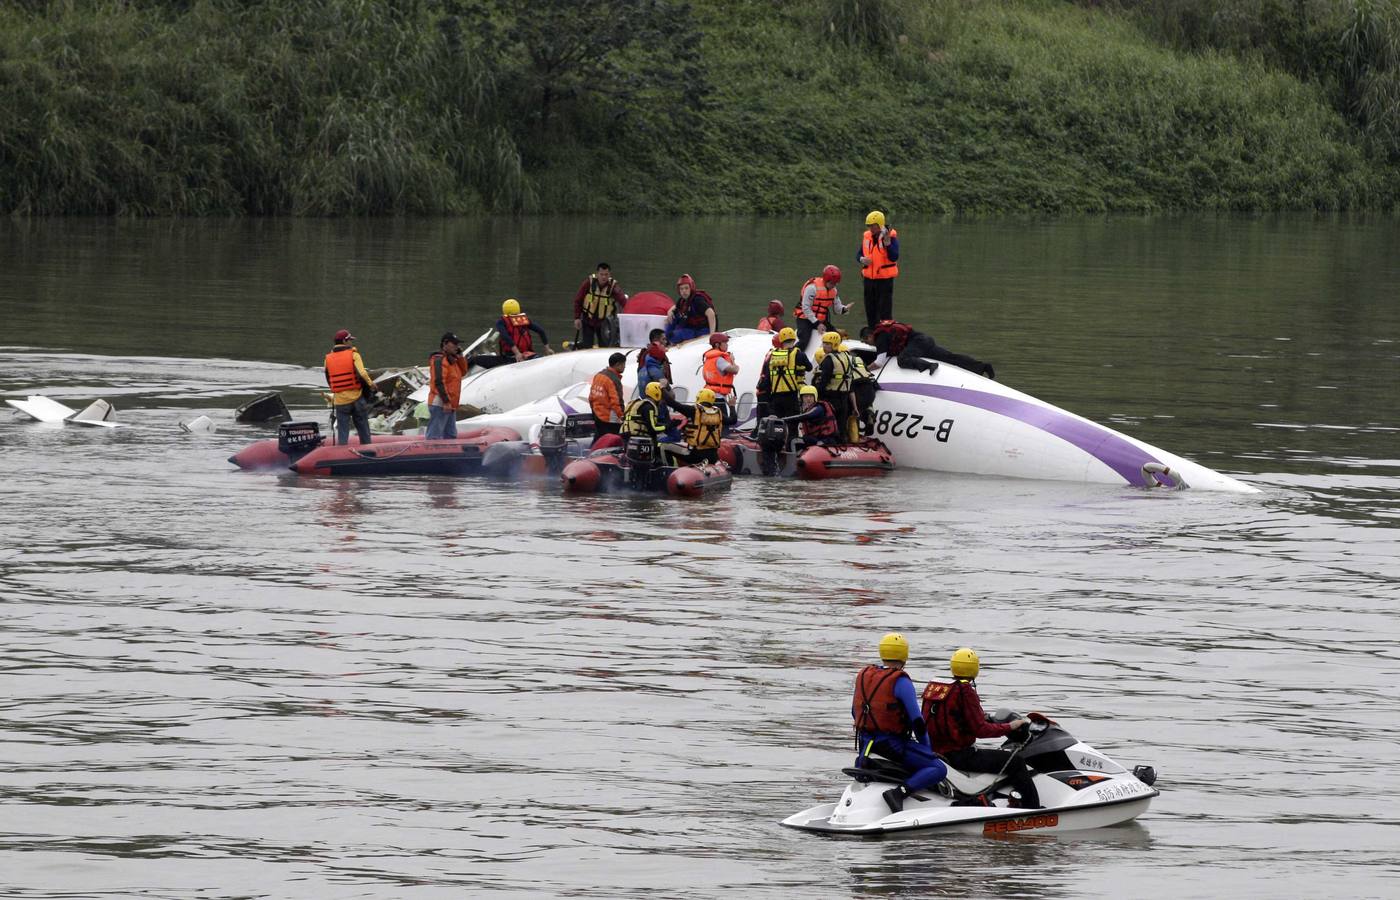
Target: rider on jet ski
888, 721
956, 721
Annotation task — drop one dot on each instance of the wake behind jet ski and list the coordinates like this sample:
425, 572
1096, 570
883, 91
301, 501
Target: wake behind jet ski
1079, 787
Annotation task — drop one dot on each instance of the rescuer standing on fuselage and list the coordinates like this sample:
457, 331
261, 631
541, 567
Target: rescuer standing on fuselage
879, 267
596, 304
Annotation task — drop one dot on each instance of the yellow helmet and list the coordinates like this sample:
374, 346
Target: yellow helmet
832, 338
787, 334
654, 390
894, 646
704, 395
807, 391
819, 355
875, 218
964, 663
511, 307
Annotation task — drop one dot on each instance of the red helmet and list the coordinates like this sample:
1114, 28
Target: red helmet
775, 307
719, 337
831, 274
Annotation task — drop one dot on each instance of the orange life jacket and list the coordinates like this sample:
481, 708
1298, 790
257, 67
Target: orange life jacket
821, 304
874, 706
823, 429
879, 256
770, 323
899, 335
722, 383
452, 372
340, 370
518, 327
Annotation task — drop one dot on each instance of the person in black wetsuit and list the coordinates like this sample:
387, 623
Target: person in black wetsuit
912, 348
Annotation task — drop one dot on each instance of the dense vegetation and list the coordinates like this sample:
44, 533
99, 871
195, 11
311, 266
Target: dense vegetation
330, 107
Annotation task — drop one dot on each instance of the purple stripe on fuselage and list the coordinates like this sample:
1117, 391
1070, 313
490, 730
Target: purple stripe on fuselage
1123, 457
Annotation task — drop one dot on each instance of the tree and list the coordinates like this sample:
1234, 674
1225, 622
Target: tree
640, 58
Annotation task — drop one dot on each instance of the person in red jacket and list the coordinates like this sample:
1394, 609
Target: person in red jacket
956, 720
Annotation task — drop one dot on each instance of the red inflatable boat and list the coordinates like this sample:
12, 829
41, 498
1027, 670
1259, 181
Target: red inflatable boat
267, 454
604, 472
418, 456
698, 480
869, 457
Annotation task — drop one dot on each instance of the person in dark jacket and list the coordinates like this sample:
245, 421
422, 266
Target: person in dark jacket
956, 721
888, 722
913, 348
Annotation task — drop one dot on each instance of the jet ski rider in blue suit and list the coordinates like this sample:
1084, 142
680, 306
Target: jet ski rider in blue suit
889, 722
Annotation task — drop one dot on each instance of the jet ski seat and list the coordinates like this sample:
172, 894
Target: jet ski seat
878, 769
970, 783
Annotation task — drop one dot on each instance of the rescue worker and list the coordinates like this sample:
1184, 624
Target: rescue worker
718, 369
605, 397
692, 315
912, 349
652, 363
705, 428
774, 320
888, 722
348, 380
787, 369
879, 267
595, 309
643, 427
956, 720
818, 420
863, 388
834, 379
446, 369
514, 329
819, 297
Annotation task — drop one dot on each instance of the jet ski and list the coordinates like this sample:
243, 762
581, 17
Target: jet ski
1079, 786
936, 417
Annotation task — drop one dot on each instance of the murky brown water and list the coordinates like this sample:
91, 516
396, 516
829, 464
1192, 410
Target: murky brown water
217, 683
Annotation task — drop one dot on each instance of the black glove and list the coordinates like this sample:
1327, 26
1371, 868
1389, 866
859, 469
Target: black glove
988, 371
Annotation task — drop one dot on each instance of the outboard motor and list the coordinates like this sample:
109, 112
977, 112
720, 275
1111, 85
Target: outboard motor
1146, 774
772, 432
640, 454
554, 441
296, 439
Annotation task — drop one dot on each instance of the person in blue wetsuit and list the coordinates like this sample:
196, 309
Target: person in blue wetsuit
889, 722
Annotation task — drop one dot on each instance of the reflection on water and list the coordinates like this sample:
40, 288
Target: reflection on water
371, 688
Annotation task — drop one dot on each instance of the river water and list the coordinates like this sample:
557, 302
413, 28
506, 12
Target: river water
216, 683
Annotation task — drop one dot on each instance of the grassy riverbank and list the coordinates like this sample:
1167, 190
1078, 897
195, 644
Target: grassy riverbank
330, 107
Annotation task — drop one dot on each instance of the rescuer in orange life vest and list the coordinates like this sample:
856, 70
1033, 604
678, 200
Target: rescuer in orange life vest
718, 368
879, 267
888, 721
446, 369
515, 328
348, 380
819, 297
956, 720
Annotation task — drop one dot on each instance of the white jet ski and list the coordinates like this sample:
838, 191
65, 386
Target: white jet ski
945, 419
1080, 788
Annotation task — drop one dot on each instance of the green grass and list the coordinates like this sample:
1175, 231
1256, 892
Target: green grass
348, 107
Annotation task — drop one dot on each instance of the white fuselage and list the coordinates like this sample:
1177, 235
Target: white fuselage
949, 420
